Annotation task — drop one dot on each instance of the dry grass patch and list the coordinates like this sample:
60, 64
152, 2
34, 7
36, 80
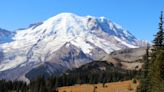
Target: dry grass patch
125, 86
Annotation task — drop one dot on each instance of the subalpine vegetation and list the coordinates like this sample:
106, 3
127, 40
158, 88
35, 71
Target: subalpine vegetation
74, 77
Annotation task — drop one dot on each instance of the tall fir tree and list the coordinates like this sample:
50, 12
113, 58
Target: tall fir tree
152, 81
144, 80
159, 37
155, 62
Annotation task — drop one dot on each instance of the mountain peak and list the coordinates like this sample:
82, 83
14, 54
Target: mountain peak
66, 14
63, 16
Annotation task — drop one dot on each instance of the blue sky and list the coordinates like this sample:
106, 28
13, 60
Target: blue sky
140, 17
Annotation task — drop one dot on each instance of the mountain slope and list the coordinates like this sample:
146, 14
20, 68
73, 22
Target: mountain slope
5, 36
65, 40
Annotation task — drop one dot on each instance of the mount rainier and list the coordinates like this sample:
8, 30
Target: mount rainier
62, 42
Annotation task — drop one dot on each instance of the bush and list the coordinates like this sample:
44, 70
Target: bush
134, 81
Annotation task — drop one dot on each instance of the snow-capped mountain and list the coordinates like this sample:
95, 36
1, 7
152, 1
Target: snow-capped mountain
62, 42
5, 36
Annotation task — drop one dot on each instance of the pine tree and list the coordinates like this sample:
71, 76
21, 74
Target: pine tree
159, 37
151, 81
144, 80
155, 63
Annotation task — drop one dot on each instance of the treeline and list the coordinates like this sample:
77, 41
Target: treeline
9, 86
94, 78
51, 84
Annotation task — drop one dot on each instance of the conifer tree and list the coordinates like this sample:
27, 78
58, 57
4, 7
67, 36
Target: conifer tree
151, 81
155, 64
144, 80
159, 37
